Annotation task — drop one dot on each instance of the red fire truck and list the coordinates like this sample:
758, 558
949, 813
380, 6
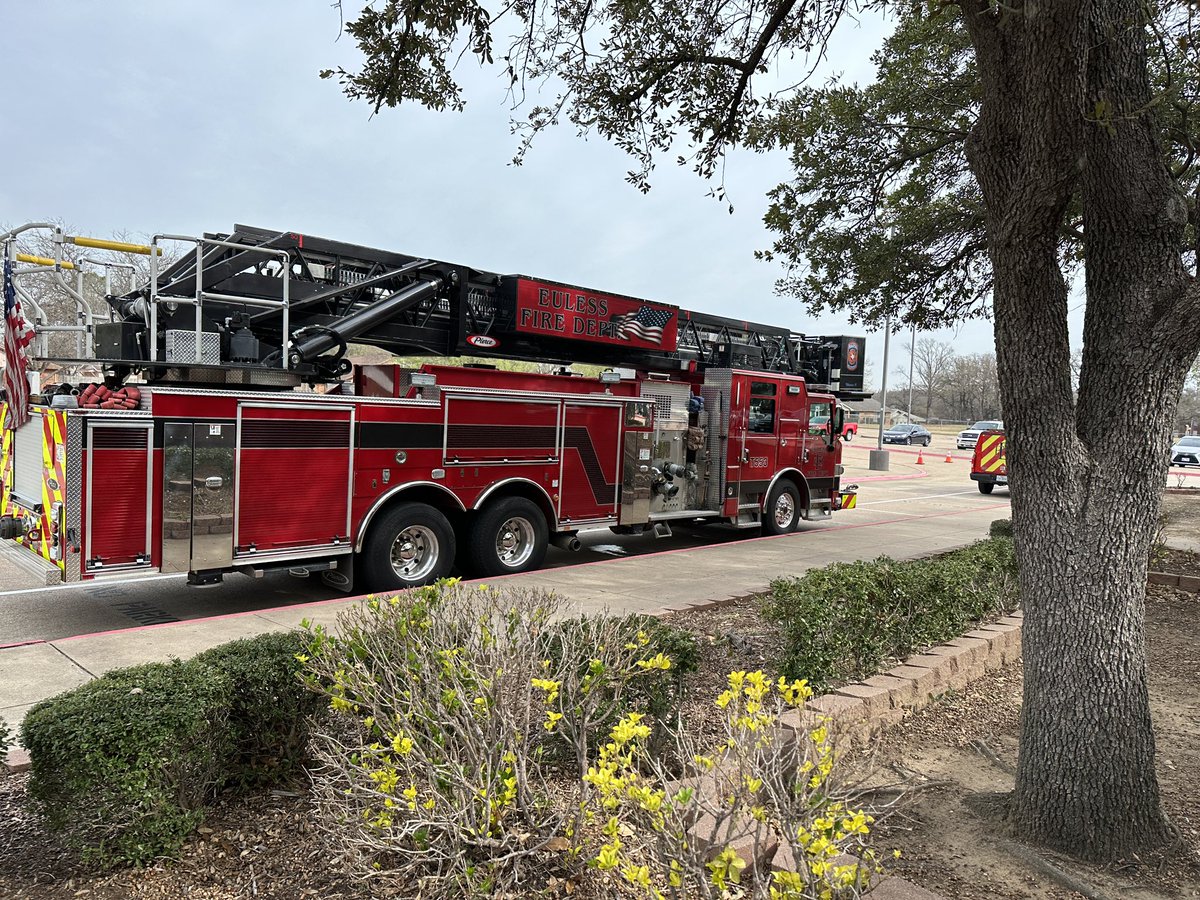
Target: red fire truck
250, 442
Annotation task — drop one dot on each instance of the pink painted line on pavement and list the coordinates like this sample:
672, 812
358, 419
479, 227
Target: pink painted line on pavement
21, 644
599, 562
236, 615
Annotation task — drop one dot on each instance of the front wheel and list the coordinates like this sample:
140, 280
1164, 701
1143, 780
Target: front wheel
781, 512
927, 440
848, 436
908, 442
410, 545
985, 487
509, 536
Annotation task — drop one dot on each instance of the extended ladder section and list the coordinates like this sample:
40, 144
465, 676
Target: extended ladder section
263, 304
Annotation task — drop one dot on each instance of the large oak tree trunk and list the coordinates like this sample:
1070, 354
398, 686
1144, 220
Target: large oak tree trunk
1086, 472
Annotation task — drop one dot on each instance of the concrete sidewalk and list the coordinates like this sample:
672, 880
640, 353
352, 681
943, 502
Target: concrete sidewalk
649, 583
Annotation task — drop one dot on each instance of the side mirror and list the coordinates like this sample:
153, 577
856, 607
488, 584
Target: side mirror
836, 423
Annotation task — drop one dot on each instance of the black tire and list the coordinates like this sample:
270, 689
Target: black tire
776, 521
908, 442
848, 436
526, 539
927, 440
427, 552
985, 487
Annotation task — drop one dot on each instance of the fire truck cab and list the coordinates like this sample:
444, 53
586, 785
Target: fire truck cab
250, 444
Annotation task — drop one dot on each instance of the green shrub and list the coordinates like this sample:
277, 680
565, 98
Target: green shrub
123, 765
271, 707
1001, 528
842, 621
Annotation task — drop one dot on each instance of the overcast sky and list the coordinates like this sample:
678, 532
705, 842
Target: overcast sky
189, 117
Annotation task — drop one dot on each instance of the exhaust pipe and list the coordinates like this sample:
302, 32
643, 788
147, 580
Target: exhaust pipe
568, 541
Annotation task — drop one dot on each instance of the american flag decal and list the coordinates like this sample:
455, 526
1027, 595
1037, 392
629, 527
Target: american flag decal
647, 324
18, 334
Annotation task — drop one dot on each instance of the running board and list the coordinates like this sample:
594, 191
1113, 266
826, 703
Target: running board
662, 530
44, 572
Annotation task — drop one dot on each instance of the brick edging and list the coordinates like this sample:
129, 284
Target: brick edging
860, 709
1189, 583
18, 760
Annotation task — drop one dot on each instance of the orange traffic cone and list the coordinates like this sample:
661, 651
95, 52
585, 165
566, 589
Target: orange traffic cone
949, 458
920, 459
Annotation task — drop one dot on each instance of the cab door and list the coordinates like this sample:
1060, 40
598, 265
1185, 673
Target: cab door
821, 448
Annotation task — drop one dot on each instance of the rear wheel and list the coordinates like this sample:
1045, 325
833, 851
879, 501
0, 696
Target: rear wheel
410, 545
781, 512
508, 536
985, 487
848, 436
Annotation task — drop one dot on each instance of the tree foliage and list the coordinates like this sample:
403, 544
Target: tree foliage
639, 73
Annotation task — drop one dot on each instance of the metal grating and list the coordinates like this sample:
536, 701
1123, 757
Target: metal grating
670, 400
181, 347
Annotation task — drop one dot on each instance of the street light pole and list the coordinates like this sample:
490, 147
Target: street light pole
912, 352
879, 456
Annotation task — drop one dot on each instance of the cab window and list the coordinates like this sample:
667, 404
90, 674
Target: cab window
818, 418
762, 407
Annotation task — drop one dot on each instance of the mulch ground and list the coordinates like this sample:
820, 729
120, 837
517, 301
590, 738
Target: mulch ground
963, 745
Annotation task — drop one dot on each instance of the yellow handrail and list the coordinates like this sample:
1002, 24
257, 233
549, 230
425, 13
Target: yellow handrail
119, 246
42, 261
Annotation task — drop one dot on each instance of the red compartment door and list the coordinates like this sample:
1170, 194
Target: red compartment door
294, 467
119, 470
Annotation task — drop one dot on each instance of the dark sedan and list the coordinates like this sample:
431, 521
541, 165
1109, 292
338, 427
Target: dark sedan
907, 434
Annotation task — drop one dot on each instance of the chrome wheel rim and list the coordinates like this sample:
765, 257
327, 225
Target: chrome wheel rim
785, 510
414, 553
514, 542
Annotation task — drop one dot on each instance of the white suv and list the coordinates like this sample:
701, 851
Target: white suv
1186, 451
968, 438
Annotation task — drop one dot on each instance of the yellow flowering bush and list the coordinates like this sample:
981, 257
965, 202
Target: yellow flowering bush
710, 836
441, 766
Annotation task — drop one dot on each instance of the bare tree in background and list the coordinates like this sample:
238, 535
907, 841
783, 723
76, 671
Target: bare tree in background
932, 360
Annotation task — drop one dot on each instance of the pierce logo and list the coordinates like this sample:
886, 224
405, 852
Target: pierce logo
852, 355
482, 340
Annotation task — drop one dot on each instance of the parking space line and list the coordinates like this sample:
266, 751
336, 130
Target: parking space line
93, 583
919, 497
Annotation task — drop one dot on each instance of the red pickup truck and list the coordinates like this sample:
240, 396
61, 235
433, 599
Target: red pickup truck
849, 424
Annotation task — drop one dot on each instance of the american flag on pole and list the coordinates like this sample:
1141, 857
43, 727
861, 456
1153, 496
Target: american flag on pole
18, 334
647, 323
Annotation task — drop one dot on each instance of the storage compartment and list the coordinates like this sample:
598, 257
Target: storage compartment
294, 469
119, 472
